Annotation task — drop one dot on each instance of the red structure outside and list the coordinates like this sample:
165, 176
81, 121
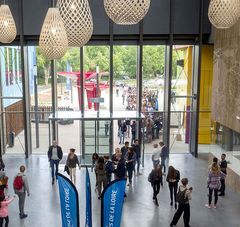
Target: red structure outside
89, 86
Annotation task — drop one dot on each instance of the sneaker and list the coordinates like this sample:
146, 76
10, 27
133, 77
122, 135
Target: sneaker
23, 216
214, 206
208, 206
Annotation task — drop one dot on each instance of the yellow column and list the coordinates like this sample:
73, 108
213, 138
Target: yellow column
205, 90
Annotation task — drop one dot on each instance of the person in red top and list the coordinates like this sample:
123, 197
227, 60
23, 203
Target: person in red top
4, 202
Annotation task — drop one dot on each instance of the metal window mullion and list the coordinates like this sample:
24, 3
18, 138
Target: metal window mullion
25, 86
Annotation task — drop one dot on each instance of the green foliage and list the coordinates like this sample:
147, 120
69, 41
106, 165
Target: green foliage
124, 61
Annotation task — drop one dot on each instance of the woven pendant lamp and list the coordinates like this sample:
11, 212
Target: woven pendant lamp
223, 13
77, 18
126, 12
53, 40
8, 29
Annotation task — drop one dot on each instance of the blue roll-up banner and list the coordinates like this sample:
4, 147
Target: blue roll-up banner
69, 202
112, 203
88, 222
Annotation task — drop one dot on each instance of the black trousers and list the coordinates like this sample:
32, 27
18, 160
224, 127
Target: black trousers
215, 196
6, 221
173, 190
156, 188
182, 208
222, 189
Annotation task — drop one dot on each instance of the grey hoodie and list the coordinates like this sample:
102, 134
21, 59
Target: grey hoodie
25, 187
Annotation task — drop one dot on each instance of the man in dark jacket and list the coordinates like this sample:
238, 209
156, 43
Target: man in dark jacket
223, 166
120, 171
124, 149
136, 148
55, 155
164, 155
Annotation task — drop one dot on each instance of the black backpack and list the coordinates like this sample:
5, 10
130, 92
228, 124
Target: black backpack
181, 196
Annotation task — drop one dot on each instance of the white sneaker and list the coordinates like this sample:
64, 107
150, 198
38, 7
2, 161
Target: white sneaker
208, 206
214, 206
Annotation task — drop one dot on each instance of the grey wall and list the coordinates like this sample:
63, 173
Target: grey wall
156, 22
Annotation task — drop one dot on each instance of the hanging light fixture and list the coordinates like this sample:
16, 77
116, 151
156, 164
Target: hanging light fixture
126, 12
77, 18
53, 40
8, 29
223, 13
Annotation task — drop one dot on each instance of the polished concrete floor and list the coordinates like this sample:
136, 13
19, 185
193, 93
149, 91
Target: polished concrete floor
42, 206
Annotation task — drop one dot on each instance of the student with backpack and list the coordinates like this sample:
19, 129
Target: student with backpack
155, 178
108, 168
4, 202
101, 176
20, 186
183, 196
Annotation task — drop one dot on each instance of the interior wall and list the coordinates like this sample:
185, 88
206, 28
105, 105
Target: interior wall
226, 81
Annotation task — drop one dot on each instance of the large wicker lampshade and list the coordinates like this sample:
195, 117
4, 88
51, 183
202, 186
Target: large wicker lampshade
223, 13
8, 29
77, 18
53, 40
126, 12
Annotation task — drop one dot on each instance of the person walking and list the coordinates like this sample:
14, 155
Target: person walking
184, 195
214, 183
133, 131
173, 178
4, 202
20, 186
136, 148
155, 155
223, 166
130, 159
124, 149
155, 178
163, 155
72, 162
55, 155
101, 176
122, 132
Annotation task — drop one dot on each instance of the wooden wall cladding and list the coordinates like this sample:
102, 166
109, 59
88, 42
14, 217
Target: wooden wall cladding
14, 121
226, 81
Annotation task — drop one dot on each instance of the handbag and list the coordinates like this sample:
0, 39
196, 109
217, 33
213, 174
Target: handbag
66, 169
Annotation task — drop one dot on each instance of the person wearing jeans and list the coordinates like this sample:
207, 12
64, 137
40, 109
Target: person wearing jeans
163, 155
21, 192
136, 148
55, 154
155, 155
213, 183
130, 159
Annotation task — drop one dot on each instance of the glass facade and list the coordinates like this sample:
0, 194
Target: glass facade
101, 136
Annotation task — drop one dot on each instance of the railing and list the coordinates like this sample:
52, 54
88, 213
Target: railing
43, 112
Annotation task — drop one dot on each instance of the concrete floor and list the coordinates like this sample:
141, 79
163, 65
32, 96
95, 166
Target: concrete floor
43, 204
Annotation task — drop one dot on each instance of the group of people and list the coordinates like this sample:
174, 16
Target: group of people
21, 188
181, 195
124, 161
55, 155
127, 128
